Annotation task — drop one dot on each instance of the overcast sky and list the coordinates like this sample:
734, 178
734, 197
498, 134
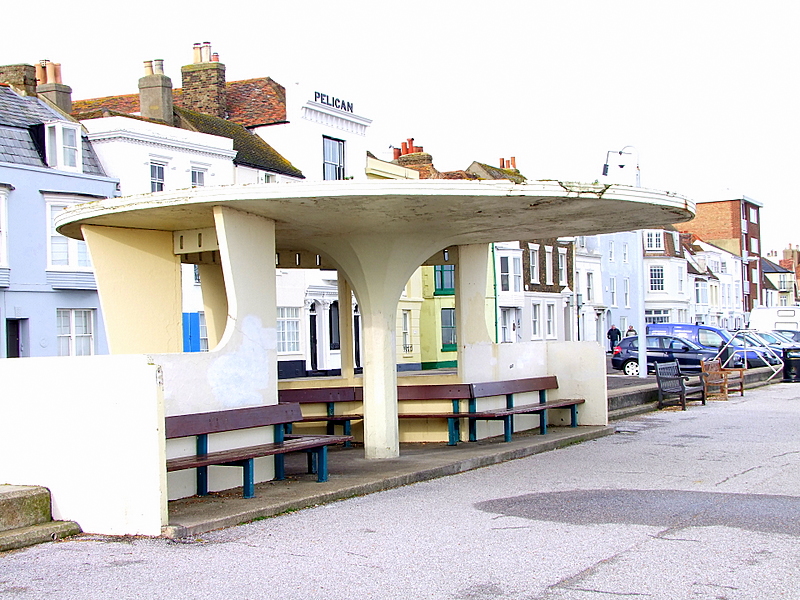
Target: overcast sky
705, 92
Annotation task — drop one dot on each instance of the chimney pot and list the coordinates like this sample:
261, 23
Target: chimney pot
513, 162
396, 152
197, 53
215, 57
158, 66
148, 67
205, 54
502, 163
41, 74
404, 146
50, 68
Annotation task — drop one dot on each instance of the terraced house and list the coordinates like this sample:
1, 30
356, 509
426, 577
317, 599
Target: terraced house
48, 295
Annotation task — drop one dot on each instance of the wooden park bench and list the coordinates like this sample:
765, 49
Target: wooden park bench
329, 397
202, 425
719, 381
473, 391
672, 384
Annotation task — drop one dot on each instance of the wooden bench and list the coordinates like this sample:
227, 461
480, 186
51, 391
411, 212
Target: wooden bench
201, 425
719, 381
329, 397
671, 383
473, 391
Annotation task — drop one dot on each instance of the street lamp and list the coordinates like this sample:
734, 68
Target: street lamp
621, 152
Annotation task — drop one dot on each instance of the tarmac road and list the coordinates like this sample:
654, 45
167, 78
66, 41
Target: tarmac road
703, 504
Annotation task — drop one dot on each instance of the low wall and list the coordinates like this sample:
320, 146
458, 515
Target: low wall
91, 429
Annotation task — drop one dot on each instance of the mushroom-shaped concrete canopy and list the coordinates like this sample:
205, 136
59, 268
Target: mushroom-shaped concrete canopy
376, 233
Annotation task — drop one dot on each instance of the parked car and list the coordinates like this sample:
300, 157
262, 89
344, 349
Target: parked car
714, 338
789, 334
662, 348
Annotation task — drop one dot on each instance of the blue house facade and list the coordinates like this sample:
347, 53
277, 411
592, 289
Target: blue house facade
621, 265
49, 304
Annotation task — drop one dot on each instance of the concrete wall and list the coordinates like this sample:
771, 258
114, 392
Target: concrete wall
92, 431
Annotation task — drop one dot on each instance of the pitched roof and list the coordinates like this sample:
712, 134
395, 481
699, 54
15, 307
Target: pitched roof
251, 150
767, 266
251, 102
489, 172
20, 116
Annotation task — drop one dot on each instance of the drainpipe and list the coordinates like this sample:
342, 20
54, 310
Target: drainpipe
494, 284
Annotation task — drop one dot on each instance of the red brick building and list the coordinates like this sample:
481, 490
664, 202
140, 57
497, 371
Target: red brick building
733, 225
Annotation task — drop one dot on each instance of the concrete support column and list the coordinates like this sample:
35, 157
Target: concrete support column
474, 296
323, 335
141, 301
346, 340
215, 303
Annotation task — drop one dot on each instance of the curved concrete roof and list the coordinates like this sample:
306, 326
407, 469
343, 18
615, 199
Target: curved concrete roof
456, 212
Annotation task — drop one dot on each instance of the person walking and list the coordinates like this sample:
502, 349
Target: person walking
614, 335
631, 331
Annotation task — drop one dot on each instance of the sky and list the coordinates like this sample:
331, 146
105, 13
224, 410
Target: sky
705, 92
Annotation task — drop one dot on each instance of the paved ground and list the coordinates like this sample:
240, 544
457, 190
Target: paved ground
703, 504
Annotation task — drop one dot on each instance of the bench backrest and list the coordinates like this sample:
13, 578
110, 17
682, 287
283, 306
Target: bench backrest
514, 386
315, 395
711, 366
436, 391
669, 378
231, 420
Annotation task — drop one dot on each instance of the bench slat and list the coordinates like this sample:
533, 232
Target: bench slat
317, 395
292, 444
231, 420
438, 391
514, 386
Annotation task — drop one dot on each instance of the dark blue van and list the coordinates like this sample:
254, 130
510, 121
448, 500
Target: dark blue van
712, 338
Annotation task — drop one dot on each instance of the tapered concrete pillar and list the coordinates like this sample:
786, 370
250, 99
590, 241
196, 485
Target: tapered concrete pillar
215, 302
474, 296
139, 280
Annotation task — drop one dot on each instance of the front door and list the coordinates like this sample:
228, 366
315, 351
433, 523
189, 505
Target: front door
13, 338
312, 336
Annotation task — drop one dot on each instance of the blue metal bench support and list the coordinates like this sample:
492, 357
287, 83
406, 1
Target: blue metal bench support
201, 444
508, 424
322, 463
543, 414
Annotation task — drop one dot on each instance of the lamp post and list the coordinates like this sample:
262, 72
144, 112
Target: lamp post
622, 152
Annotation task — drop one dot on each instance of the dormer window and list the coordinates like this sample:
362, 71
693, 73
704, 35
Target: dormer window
63, 147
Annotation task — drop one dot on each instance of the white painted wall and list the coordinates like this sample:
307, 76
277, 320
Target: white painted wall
92, 431
300, 140
127, 146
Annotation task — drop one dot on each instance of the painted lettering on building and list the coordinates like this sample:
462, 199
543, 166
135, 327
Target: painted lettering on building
334, 102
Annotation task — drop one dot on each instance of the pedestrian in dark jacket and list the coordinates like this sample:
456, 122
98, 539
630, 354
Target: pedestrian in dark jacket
614, 335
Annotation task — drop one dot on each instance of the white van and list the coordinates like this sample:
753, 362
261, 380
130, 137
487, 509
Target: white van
768, 318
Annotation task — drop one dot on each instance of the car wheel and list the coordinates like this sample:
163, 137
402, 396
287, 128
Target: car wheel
631, 367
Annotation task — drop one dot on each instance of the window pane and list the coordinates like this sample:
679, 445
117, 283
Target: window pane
59, 250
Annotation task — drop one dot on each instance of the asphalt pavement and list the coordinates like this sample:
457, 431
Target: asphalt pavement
697, 504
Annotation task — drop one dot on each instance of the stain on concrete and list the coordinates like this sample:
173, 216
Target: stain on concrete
656, 508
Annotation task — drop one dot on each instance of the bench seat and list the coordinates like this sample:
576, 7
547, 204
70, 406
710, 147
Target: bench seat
201, 425
673, 384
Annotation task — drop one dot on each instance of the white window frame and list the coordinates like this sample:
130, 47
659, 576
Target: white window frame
516, 265
654, 240
654, 278
198, 177
202, 328
624, 252
3, 227
406, 331
550, 320
505, 272
71, 336
536, 316
534, 256
612, 289
626, 291
156, 184
76, 249
590, 286
288, 330
680, 280
754, 247
548, 266
611, 251
562, 266
753, 214
506, 325
60, 155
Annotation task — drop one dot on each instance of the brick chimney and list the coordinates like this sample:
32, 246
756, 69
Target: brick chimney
20, 77
204, 83
48, 77
155, 92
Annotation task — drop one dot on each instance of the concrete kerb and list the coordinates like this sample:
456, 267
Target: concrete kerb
193, 516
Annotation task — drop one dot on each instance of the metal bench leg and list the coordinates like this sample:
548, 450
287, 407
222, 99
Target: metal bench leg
202, 481
347, 430
248, 479
473, 424
573, 415
280, 467
543, 422
322, 464
508, 426
311, 460
452, 431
